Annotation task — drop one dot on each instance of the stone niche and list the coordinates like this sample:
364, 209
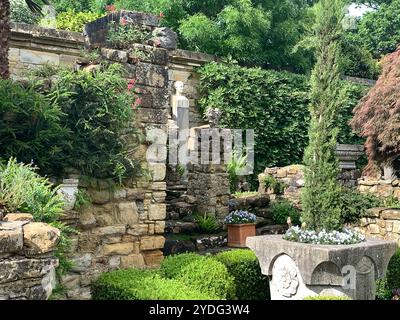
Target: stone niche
298, 270
27, 261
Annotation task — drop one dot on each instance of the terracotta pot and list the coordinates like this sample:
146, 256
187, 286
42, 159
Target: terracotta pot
238, 233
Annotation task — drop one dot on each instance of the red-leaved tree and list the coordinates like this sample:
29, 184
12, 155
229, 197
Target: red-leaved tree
377, 118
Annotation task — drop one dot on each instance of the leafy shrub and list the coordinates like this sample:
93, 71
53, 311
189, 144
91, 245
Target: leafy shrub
382, 290
75, 21
272, 103
238, 162
208, 276
23, 190
207, 223
281, 210
354, 204
393, 272
243, 265
30, 127
134, 284
326, 298
72, 5
271, 183
98, 112
19, 12
123, 36
171, 266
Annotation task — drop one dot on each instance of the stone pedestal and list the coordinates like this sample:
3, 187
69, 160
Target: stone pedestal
298, 270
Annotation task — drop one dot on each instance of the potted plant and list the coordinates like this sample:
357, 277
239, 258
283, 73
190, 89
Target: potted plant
241, 224
322, 257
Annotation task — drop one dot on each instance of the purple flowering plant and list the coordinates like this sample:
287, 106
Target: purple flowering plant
240, 217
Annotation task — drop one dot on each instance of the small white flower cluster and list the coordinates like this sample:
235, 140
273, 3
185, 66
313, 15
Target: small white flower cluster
323, 237
240, 217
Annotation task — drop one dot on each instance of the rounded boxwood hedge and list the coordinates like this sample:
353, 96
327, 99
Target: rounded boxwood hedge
132, 284
243, 265
209, 276
393, 272
171, 266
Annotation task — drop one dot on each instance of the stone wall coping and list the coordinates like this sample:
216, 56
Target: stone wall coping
63, 37
198, 58
309, 256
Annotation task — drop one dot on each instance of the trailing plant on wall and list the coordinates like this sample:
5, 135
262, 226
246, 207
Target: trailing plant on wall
322, 192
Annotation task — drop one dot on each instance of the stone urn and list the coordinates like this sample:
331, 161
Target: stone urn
68, 190
238, 233
297, 270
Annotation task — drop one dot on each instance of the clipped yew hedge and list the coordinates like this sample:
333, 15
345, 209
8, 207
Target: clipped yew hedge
274, 104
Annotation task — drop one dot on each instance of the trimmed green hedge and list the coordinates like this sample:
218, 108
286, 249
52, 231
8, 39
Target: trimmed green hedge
393, 272
134, 284
208, 276
243, 265
173, 265
274, 104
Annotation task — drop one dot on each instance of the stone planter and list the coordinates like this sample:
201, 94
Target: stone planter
68, 190
298, 270
238, 233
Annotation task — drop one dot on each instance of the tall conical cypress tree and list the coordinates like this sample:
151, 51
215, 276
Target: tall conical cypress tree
322, 192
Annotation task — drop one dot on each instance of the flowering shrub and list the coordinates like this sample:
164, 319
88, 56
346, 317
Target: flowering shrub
297, 234
122, 35
240, 217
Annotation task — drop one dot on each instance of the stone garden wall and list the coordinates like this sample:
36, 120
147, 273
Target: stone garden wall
27, 262
382, 188
381, 223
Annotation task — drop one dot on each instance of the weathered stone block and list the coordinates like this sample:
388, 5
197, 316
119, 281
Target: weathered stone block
117, 249
157, 211
11, 217
152, 242
111, 230
153, 258
40, 238
392, 214
138, 229
133, 261
128, 213
11, 237
159, 227
81, 262
39, 57
114, 55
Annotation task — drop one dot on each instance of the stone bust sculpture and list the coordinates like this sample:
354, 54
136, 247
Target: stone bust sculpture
179, 85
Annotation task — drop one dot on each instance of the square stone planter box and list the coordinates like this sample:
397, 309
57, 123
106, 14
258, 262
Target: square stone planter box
238, 233
297, 270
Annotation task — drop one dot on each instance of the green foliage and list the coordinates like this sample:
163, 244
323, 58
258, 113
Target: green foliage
171, 266
321, 194
354, 204
122, 36
30, 127
82, 199
75, 21
133, 284
378, 30
281, 210
243, 265
326, 298
207, 224
393, 272
271, 183
23, 190
98, 112
20, 12
272, 103
208, 276
382, 290
237, 163
72, 5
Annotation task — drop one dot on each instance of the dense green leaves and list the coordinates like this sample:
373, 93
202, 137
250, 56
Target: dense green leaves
322, 192
30, 127
272, 103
